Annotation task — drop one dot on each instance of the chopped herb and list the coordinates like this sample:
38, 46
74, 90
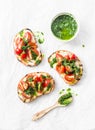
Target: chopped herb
30, 79
48, 87
68, 90
30, 91
21, 33
38, 62
38, 86
62, 91
44, 77
25, 47
34, 55
54, 60
83, 45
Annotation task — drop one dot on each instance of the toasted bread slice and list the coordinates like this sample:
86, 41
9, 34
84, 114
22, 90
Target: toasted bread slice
26, 48
34, 85
67, 65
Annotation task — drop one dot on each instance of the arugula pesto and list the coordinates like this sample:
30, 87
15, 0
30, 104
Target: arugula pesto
65, 99
64, 26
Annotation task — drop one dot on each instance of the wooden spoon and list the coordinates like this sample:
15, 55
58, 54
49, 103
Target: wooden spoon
57, 104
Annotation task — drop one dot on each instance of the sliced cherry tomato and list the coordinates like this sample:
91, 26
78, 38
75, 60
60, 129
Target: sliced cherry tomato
69, 77
25, 95
28, 36
46, 83
60, 68
59, 56
18, 51
73, 57
67, 57
38, 79
23, 56
68, 69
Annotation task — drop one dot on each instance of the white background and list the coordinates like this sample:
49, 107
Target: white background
37, 15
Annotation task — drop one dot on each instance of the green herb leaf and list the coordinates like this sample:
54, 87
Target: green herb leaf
38, 62
30, 79
34, 55
54, 60
21, 33
30, 91
49, 87
25, 47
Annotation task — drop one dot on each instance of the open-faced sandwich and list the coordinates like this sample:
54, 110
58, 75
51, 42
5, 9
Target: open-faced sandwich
34, 85
67, 65
26, 48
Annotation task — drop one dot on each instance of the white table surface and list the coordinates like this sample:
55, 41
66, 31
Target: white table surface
37, 15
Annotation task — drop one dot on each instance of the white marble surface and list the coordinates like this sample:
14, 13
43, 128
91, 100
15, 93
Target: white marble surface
37, 15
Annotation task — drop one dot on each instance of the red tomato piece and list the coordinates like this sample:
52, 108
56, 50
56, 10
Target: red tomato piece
60, 69
23, 56
46, 83
67, 57
28, 36
69, 77
73, 57
18, 51
38, 79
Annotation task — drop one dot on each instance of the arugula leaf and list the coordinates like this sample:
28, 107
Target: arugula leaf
30, 91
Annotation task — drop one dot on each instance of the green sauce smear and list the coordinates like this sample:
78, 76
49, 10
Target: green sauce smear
64, 27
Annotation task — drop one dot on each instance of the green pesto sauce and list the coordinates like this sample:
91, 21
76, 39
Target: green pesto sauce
64, 27
65, 99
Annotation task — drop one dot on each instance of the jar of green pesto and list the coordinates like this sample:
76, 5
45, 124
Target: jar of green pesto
64, 26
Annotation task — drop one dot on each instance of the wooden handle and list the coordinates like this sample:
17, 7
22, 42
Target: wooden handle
43, 112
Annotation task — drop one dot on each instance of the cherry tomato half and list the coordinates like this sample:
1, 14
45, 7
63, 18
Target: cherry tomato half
69, 77
60, 69
18, 51
46, 82
23, 56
